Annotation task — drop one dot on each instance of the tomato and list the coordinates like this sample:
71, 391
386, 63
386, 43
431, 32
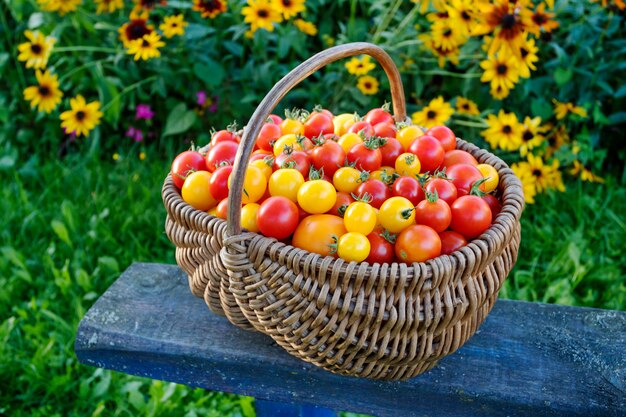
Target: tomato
342, 203
408, 164
491, 175
390, 151
297, 159
270, 133
385, 130
292, 126
471, 216
218, 184
317, 196
407, 135
349, 140
381, 250
444, 188
286, 143
433, 212
360, 217
396, 214
444, 135
458, 156
417, 243
317, 233
318, 124
260, 154
286, 183
429, 151
362, 128
196, 193
494, 205
328, 156
222, 153
339, 122
353, 247
348, 179
451, 241
376, 189
222, 209
254, 185
317, 109
224, 136
278, 217
366, 156
409, 188
264, 165
186, 163
212, 211
376, 116
384, 174
276, 119
249, 217
463, 176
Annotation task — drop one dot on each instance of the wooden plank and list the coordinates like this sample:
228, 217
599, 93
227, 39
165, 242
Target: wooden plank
526, 358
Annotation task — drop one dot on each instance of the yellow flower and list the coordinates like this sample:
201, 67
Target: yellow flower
173, 25
142, 156
506, 21
368, 85
528, 52
445, 36
529, 183
305, 27
46, 95
36, 51
361, 66
556, 139
209, 8
289, 8
452, 54
501, 70
328, 40
108, 6
137, 28
437, 4
438, 112
561, 110
146, 47
82, 118
116, 156
499, 92
584, 173
59, 6
532, 134
504, 131
547, 176
462, 15
261, 14
147, 5
466, 106
542, 20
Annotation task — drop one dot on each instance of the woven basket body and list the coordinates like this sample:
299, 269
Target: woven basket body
390, 321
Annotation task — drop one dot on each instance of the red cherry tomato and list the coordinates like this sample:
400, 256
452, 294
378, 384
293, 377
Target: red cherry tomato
458, 156
376, 116
378, 191
276, 119
381, 251
224, 136
222, 209
218, 184
220, 154
365, 158
262, 155
463, 176
390, 151
494, 205
417, 243
269, 134
366, 128
329, 156
409, 188
186, 163
278, 217
429, 151
385, 130
342, 203
435, 214
444, 188
296, 159
451, 241
318, 124
324, 112
471, 216
444, 135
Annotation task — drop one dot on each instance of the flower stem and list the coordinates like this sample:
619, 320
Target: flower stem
126, 91
83, 48
467, 123
391, 12
451, 74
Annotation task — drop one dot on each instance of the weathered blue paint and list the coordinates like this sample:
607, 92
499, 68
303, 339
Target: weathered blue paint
527, 358
273, 409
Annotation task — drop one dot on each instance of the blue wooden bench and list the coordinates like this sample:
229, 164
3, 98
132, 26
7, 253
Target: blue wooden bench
527, 358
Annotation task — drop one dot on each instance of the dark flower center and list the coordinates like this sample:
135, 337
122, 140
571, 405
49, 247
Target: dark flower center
431, 114
286, 3
540, 19
501, 69
44, 91
528, 135
465, 15
263, 13
174, 25
506, 129
447, 33
465, 106
136, 29
36, 48
145, 43
524, 52
508, 21
80, 115
367, 85
537, 172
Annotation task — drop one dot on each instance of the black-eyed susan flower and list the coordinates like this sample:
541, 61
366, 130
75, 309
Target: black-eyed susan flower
305, 27
542, 20
504, 131
209, 8
108, 6
147, 5
529, 183
461, 14
289, 8
146, 47
556, 139
261, 14
585, 174
59, 6
173, 26
532, 134
561, 110
368, 85
528, 57
506, 21
437, 112
445, 36
501, 71
499, 93
136, 28
547, 176
443, 56
466, 106
360, 66
46, 95
36, 51
619, 4
423, 4
82, 118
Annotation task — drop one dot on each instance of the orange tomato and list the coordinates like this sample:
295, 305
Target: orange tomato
317, 233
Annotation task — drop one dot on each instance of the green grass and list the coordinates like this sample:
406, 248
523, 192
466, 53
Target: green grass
69, 228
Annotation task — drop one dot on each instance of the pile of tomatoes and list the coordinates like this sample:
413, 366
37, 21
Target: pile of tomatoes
363, 189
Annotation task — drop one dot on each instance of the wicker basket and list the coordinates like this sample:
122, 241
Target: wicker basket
390, 321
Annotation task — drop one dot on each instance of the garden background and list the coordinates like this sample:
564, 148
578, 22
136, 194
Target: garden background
98, 96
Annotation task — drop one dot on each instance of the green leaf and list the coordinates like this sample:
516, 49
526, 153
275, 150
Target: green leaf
109, 263
562, 76
179, 120
617, 118
541, 107
621, 92
61, 231
195, 31
210, 72
234, 48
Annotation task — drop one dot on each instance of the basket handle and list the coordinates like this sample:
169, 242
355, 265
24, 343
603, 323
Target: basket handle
282, 87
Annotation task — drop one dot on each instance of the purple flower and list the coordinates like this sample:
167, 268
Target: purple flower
201, 95
212, 104
135, 134
144, 111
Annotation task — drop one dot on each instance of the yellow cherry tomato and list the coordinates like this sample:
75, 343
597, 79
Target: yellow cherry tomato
254, 185
195, 191
360, 217
317, 196
408, 165
348, 140
263, 166
287, 141
286, 182
384, 174
248, 217
339, 121
353, 247
491, 175
408, 134
292, 126
348, 179
348, 123
396, 214
212, 211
